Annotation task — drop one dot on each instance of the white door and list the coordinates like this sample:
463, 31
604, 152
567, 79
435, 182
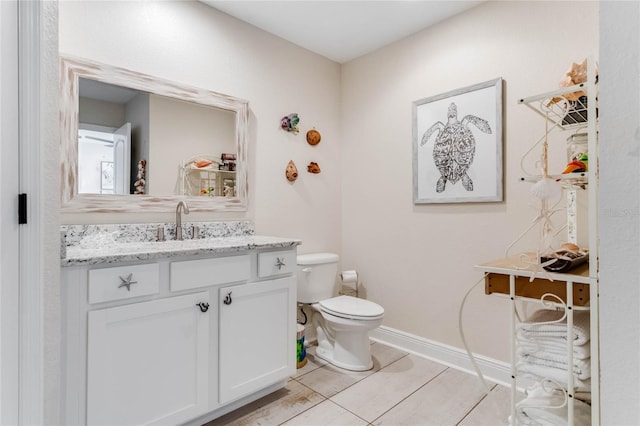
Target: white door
122, 159
257, 336
148, 362
9, 259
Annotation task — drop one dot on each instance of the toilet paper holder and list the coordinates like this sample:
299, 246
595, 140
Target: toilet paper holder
349, 277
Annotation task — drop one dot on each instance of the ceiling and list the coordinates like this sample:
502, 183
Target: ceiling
342, 30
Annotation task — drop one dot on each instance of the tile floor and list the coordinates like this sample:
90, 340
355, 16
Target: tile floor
401, 389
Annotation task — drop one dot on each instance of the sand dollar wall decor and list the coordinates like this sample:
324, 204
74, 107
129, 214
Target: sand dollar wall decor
313, 137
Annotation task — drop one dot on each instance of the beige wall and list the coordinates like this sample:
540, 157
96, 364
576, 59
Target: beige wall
524, 34
101, 113
180, 131
417, 260
193, 44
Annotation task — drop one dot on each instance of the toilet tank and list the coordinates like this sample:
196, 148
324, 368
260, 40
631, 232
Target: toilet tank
316, 276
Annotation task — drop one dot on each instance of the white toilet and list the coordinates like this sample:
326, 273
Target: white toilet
342, 322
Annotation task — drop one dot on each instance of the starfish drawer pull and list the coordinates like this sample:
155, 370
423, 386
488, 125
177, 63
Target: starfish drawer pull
279, 263
127, 282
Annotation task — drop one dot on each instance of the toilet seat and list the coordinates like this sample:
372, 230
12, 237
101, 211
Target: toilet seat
352, 308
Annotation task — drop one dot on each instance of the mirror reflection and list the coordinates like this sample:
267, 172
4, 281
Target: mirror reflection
104, 156
134, 142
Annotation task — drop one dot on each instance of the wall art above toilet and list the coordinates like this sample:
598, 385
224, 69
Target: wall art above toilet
457, 145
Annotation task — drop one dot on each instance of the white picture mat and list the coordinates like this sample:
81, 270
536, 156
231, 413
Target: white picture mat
483, 101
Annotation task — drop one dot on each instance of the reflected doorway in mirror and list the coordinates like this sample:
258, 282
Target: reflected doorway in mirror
103, 159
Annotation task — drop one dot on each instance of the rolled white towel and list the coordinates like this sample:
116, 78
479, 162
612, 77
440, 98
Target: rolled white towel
540, 325
534, 409
552, 345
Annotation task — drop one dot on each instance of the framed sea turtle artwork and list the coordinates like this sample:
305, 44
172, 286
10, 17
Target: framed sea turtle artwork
457, 145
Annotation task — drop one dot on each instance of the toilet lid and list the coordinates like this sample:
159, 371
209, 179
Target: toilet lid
352, 307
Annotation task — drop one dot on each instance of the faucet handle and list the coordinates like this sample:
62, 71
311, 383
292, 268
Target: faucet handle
160, 233
195, 232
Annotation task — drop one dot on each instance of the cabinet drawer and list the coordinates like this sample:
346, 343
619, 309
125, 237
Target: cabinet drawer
276, 263
123, 282
190, 274
499, 283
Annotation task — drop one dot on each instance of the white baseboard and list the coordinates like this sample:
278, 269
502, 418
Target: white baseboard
493, 370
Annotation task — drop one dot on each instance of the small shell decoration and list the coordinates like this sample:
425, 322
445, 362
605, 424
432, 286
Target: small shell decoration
140, 178
290, 123
313, 137
546, 189
291, 172
313, 168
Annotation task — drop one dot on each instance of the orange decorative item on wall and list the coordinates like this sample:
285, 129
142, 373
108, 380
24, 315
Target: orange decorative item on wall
313, 168
313, 137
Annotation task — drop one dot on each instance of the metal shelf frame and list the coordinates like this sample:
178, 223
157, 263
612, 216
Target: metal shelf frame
565, 109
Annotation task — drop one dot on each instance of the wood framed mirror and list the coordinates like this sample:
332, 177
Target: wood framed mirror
184, 124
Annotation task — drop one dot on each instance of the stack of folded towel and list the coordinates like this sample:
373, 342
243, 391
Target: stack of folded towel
542, 349
544, 406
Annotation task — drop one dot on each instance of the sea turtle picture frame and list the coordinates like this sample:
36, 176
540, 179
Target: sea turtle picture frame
457, 145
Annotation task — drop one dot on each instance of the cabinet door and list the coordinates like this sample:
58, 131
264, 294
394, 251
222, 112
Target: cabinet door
147, 362
257, 336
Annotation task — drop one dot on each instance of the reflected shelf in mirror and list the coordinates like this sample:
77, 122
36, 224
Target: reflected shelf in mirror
207, 175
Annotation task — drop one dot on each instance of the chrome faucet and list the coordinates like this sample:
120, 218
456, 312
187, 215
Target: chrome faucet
185, 208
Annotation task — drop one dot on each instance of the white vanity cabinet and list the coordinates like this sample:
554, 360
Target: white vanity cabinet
147, 363
255, 353
177, 340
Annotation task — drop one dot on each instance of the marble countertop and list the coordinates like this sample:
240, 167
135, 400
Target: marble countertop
108, 251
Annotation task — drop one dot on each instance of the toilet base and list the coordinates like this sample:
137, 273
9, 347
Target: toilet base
327, 354
344, 343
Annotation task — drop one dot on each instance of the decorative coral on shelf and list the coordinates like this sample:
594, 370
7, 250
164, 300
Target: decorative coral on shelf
577, 74
578, 165
202, 163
